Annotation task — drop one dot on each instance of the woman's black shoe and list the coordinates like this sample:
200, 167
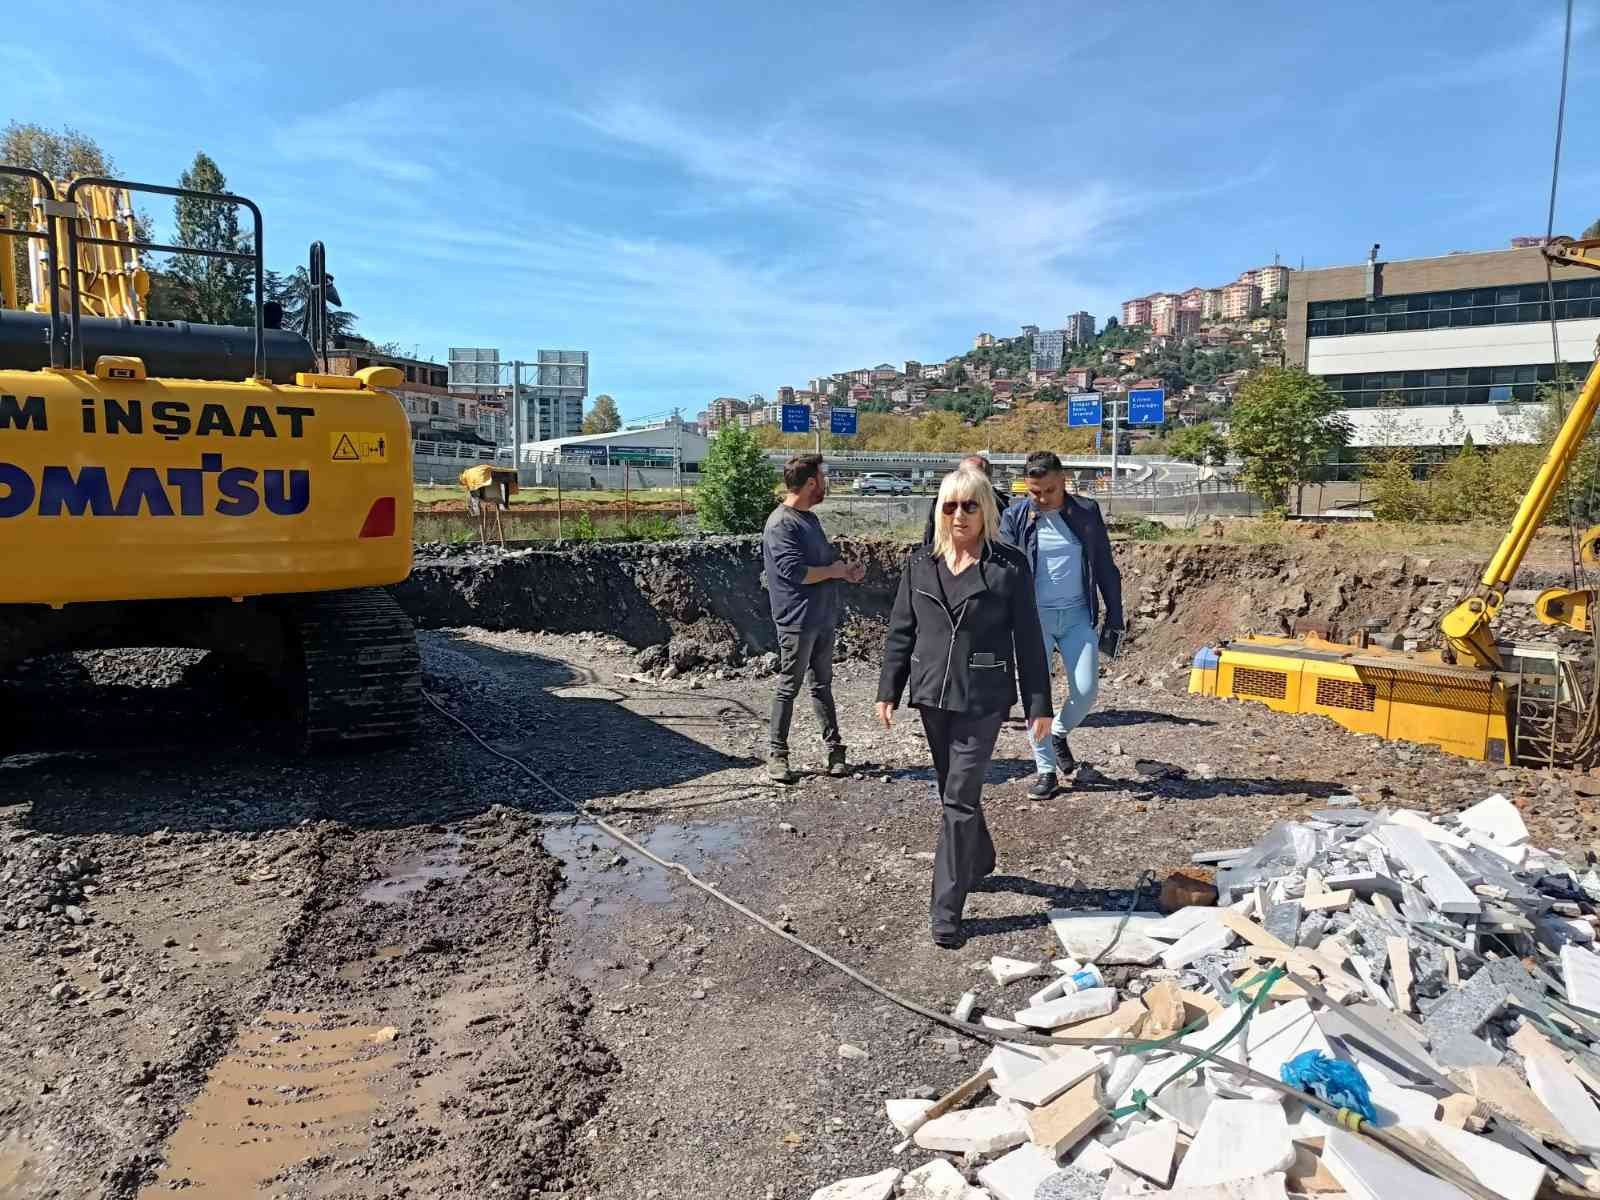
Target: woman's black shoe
1043, 786
952, 940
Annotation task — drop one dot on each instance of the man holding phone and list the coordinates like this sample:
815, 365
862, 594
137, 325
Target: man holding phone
803, 573
1064, 538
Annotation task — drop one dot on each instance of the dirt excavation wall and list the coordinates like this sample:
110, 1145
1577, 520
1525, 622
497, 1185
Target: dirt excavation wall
710, 592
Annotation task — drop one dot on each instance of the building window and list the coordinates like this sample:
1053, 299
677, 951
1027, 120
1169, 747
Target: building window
433, 408
1460, 385
1457, 309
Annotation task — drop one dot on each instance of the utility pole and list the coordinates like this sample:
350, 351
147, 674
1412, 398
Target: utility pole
517, 418
1115, 439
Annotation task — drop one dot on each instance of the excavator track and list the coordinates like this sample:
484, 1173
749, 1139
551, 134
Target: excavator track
357, 676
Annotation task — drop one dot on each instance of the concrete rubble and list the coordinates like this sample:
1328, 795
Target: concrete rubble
1447, 961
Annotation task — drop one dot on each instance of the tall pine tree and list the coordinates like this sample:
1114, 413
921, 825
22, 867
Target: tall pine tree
218, 291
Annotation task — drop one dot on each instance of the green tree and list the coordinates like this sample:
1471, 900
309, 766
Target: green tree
1285, 423
213, 290
1593, 231
63, 155
1200, 444
603, 417
737, 484
292, 292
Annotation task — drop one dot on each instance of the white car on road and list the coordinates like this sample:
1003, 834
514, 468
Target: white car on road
881, 483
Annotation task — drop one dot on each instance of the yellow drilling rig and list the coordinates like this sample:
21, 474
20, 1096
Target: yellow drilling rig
1475, 696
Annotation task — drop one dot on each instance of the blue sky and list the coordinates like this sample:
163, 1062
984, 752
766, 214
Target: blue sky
718, 198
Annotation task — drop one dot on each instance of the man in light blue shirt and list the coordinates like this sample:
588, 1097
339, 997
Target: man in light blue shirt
1065, 539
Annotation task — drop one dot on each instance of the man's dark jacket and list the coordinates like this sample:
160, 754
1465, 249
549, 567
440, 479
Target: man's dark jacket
1001, 501
1020, 527
968, 643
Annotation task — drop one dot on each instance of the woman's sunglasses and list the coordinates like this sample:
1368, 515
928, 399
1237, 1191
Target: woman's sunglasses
967, 506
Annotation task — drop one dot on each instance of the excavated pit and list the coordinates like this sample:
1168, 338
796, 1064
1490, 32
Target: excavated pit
1177, 596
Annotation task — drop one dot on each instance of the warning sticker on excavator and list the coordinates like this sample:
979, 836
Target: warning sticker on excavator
359, 447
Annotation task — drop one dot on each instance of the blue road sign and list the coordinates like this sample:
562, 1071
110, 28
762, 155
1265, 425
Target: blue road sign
1147, 406
796, 418
843, 422
1085, 409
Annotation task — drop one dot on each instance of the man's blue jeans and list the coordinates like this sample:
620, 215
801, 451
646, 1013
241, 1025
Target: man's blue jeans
1071, 632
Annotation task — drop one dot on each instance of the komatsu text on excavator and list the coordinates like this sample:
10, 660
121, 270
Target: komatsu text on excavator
1475, 696
165, 483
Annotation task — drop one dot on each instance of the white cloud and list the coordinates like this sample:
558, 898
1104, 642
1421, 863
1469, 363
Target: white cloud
393, 134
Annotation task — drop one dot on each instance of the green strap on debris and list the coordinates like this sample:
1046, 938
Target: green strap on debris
1141, 1099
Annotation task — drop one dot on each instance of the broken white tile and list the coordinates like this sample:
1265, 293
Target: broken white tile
1001, 1024
1018, 1174
1182, 921
980, 1130
1397, 1105
1263, 1187
1066, 966
964, 1006
865, 1187
1415, 820
1095, 936
1009, 970
1275, 1036
1238, 1139
1581, 970
1185, 1105
904, 1114
1443, 886
1505, 1172
1096, 1002
1200, 941
1369, 1173
937, 1180
1497, 818
1120, 1075
1051, 1078
1094, 1157
1123, 1184
1558, 1090
1515, 856
1010, 1061
1149, 1153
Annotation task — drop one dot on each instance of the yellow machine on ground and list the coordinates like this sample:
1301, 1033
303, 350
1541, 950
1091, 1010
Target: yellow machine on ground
177, 484
1475, 697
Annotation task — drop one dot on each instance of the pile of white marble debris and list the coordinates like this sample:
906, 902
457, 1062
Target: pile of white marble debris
1449, 962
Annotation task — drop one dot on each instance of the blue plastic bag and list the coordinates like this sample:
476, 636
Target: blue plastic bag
1334, 1080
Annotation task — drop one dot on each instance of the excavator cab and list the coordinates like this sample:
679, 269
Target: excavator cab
171, 483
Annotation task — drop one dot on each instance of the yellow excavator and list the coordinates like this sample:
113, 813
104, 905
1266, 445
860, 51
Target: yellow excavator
1475, 696
168, 483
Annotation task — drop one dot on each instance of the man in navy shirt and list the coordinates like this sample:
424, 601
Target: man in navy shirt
1065, 541
803, 572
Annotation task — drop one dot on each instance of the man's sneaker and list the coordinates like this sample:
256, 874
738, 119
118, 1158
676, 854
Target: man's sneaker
778, 769
1043, 786
1065, 763
836, 763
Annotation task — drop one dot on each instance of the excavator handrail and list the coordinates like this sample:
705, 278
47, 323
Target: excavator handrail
254, 256
48, 236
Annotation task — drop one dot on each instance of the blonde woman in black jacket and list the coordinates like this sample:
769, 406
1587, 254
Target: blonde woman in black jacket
964, 635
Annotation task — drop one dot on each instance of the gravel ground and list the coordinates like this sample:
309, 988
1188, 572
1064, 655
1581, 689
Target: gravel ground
364, 977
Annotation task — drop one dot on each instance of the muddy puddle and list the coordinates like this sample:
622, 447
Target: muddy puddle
598, 885
288, 1091
411, 875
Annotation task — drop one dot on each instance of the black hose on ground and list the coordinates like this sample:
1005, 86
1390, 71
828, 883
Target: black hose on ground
1335, 1115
